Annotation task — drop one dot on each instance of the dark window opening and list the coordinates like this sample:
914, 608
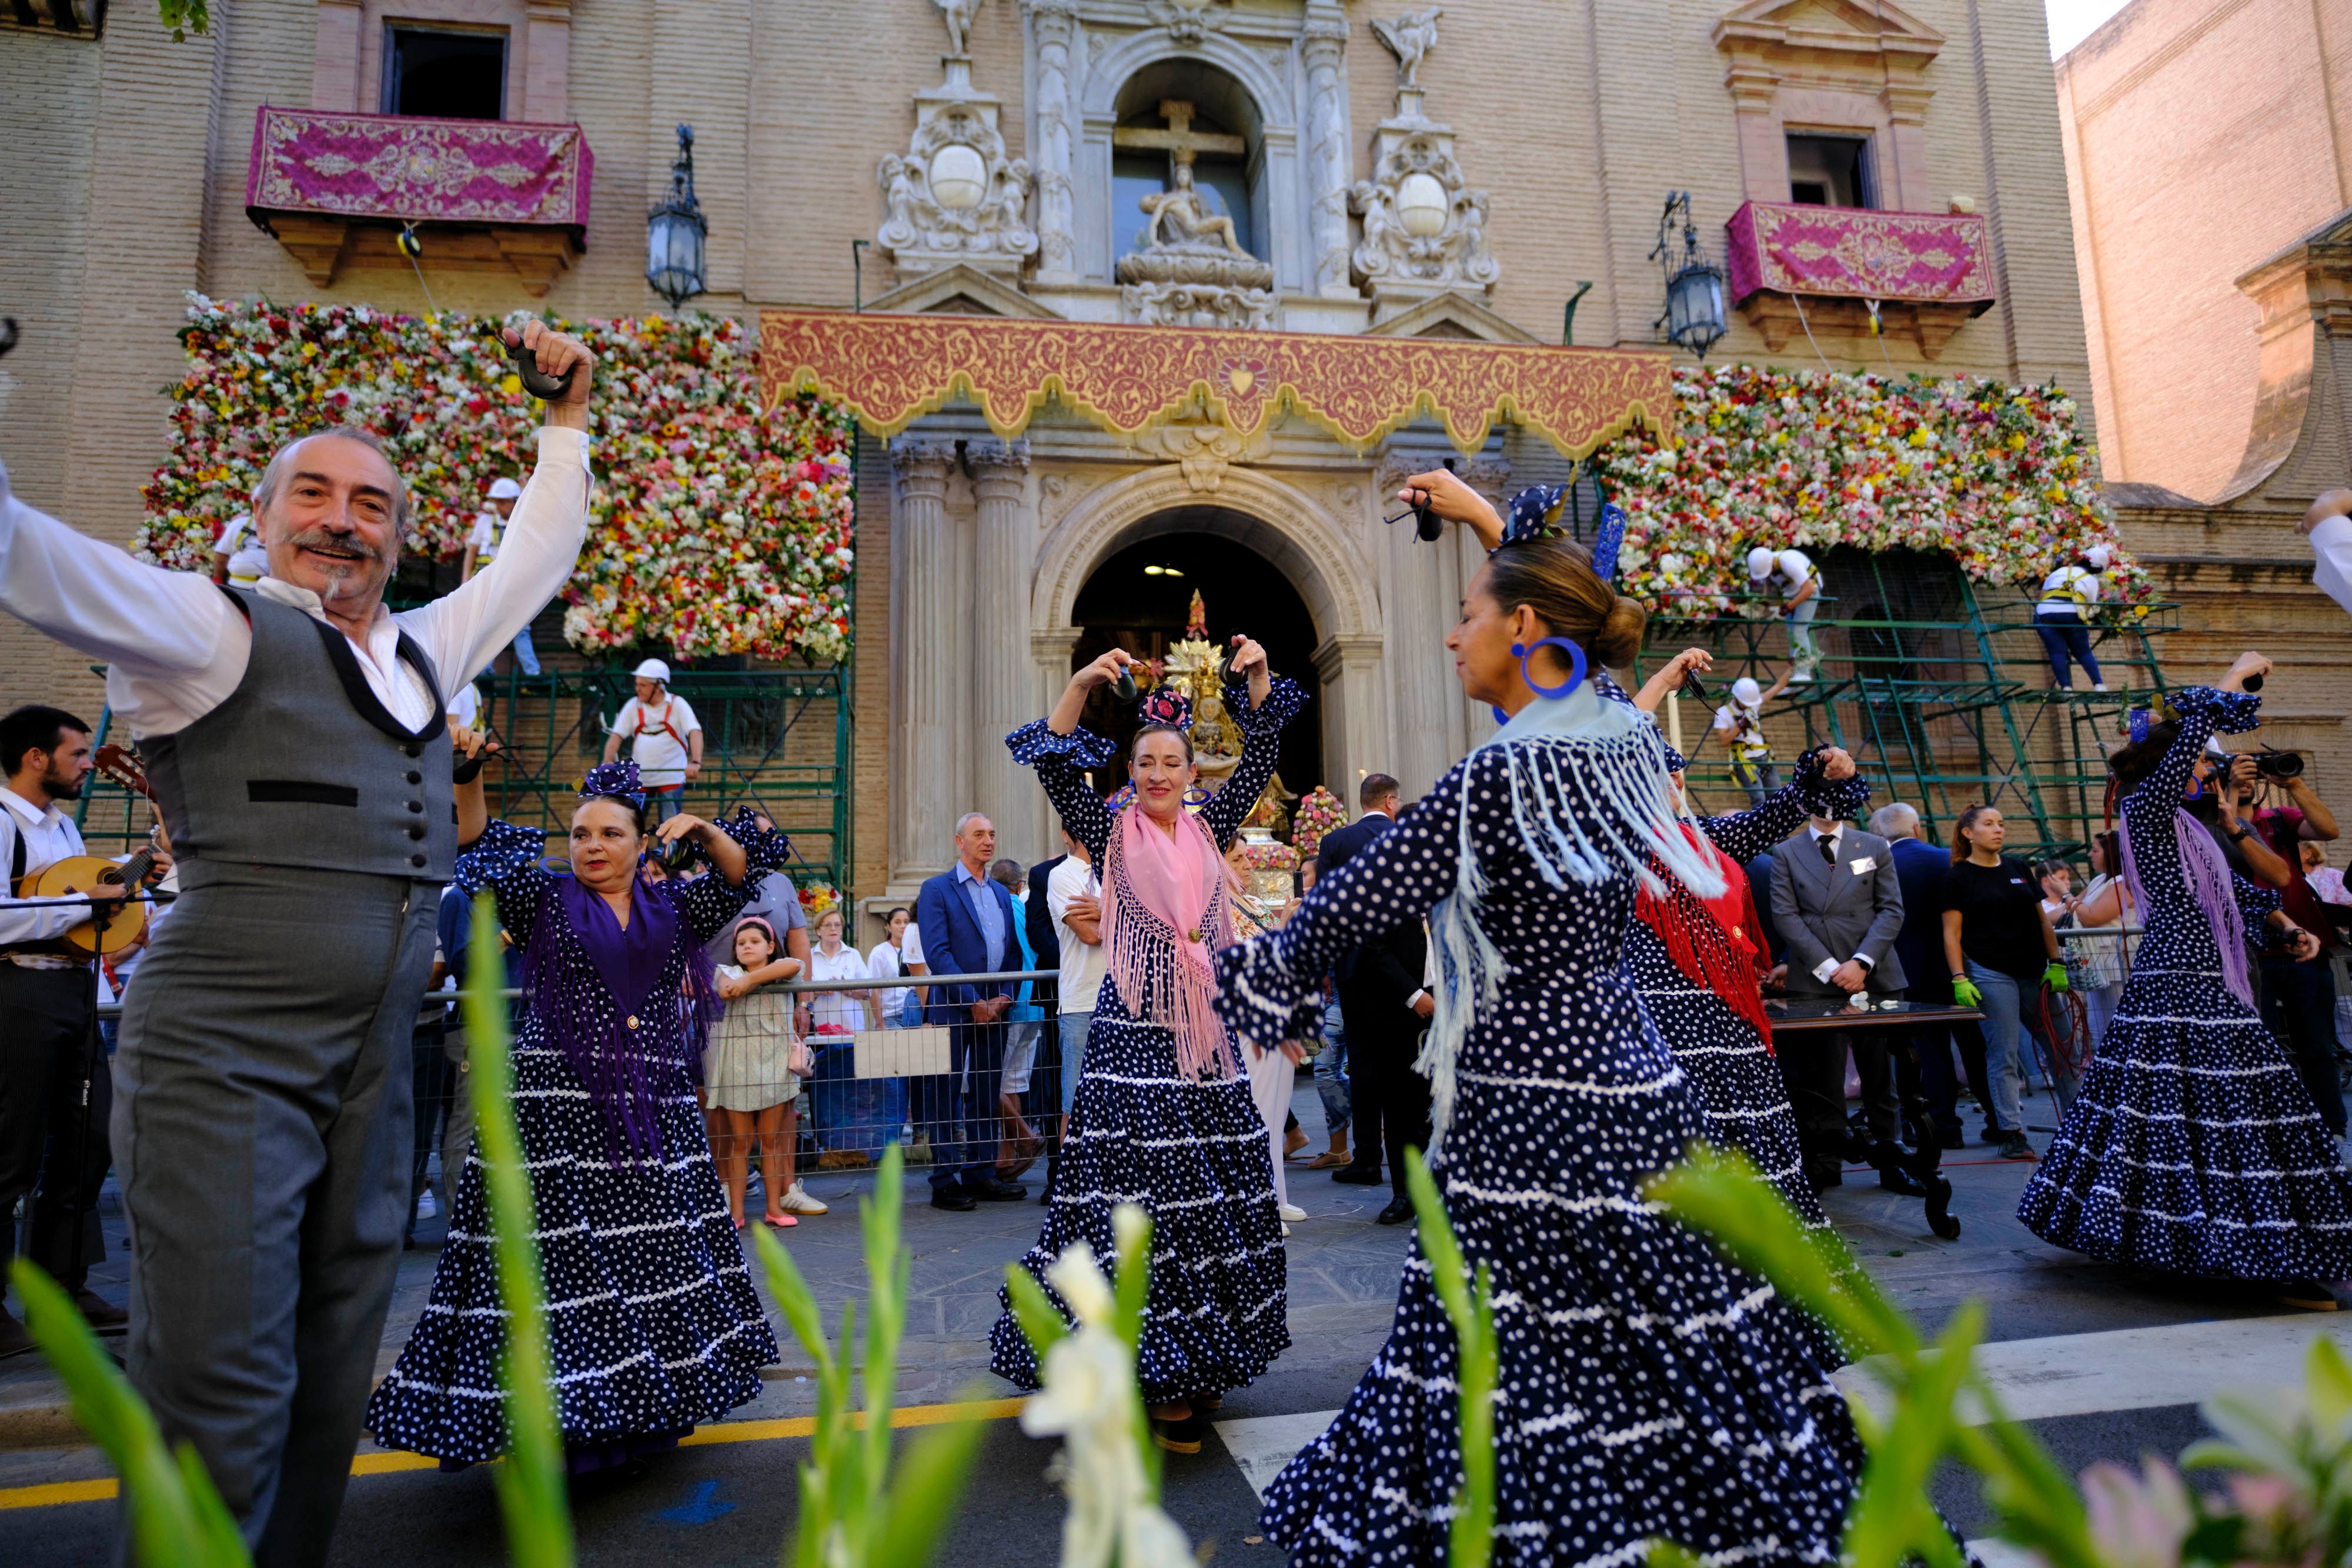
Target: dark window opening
1831, 171
444, 75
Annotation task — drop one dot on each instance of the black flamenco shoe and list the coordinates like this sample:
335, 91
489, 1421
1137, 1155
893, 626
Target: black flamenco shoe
1181, 1435
1399, 1210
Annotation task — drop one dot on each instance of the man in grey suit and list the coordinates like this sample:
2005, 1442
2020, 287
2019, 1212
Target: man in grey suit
1838, 907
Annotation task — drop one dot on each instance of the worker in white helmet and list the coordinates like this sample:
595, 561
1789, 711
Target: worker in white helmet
482, 548
668, 739
2069, 596
1789, 576
1739, 724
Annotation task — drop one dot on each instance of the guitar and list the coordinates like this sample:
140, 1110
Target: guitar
85, 875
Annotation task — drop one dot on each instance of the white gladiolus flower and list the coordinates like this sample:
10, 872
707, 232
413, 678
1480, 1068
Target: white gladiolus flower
1090, 1401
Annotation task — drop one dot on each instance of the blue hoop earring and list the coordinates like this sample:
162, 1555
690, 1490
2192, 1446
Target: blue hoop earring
1576, 662
1197, 797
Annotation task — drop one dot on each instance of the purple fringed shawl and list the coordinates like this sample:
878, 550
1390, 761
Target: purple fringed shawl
621, 1068
2206, 870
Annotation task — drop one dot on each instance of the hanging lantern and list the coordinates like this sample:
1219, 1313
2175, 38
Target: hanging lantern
674, 232
1693, 317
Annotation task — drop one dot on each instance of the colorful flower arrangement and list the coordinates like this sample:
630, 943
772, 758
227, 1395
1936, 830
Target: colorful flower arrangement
1996, 476
818, 897
1270, 855
1318, 812
715, 528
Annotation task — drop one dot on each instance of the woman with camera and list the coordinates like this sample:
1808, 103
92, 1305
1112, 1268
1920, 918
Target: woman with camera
1653, 1390
2193, 1147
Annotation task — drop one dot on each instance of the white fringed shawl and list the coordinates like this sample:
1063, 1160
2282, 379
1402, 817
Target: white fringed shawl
1588, 782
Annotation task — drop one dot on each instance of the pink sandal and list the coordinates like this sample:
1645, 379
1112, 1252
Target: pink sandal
778, 1221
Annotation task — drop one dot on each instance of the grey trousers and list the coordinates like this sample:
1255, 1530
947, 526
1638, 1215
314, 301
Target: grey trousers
261, 1135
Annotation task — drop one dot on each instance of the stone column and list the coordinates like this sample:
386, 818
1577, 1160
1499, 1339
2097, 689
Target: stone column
928, 671
1003, 671
1326, 149
1355, 712
1050, 651
1053, 23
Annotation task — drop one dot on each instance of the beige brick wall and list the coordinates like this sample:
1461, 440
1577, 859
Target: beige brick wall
2204, 136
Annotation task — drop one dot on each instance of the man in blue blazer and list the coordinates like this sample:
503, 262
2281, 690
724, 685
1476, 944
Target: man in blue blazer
1922, 868
967, 922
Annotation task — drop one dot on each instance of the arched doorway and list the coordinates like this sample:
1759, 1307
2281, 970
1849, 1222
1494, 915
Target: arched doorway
1140, 599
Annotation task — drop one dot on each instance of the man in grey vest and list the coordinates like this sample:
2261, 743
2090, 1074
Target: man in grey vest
294, 733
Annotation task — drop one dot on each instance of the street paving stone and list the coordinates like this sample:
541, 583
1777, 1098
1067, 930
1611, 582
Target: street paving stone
732, 1503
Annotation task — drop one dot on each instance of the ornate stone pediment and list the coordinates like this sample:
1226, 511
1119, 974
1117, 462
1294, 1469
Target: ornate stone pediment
1833, 26
962, 289
1454, 314
954, 195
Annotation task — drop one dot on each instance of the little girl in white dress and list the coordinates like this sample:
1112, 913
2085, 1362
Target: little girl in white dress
751, 1075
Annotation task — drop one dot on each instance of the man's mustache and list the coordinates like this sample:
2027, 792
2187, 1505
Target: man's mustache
346, 547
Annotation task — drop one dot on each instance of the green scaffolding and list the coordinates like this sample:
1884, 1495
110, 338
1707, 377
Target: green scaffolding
1941, 689
776, 740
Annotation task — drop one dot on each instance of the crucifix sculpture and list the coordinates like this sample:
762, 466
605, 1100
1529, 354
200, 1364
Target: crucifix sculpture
1180, 217
1180, 139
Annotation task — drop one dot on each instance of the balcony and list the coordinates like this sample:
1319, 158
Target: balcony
486, 196
1928, 272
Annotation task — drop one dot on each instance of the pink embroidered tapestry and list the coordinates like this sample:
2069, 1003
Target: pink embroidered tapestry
1859, 254
399, 166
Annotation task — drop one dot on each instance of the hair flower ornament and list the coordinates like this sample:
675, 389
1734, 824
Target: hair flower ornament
1534, 514
1166, 704
615, 778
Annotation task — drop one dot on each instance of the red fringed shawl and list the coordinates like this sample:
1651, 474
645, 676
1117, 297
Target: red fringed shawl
1713, 942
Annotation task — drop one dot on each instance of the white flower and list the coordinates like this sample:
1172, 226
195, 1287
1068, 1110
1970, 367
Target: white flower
1080, 1283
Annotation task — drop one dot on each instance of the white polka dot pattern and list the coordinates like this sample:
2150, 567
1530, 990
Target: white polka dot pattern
653, 1325
1647, 1388
2193, 1147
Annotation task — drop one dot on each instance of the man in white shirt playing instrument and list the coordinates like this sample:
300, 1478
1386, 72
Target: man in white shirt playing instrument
54, 1089
294, 735
668, 750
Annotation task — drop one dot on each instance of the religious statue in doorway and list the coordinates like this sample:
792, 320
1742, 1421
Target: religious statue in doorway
1181, 220
1195, 666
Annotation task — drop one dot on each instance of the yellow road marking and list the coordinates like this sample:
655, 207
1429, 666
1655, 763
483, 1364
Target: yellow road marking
54, 1493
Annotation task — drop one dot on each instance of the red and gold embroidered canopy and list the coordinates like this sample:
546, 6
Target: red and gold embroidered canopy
893, 369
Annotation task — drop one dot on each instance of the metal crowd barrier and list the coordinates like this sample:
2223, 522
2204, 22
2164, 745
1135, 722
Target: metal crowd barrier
894, 1063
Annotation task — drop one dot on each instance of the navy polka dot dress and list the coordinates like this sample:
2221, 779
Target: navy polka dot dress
1191, 1151
1742, 1098
2192, 1147
653, 1325
1647, 1388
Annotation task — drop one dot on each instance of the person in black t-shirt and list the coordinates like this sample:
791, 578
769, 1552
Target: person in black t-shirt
2000, 945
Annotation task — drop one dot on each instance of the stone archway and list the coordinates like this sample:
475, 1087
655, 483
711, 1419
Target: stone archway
1275, 520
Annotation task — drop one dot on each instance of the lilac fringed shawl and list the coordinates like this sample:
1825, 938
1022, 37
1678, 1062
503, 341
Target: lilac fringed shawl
621, 1068
2206, 870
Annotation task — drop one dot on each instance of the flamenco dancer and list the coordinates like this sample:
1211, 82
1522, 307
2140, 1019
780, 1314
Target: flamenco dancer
652, 1323
2192, 1146
1165, 1116
1699, 963
1648, 1389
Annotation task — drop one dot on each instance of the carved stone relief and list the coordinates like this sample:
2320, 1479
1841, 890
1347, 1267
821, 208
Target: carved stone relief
954, 196
1424, 227
1203, 451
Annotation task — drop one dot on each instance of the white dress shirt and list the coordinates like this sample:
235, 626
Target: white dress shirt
837, 1007
1836, 835
49, 836
175, 646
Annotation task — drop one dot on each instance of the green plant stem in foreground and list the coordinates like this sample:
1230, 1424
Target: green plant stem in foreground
177, 1518
854, 1514
1478, 1364
530, 1482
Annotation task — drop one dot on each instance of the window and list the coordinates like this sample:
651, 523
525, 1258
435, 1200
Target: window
1830, 170
1139, 169
445, 74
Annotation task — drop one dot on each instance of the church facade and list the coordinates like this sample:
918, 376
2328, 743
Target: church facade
1492, 171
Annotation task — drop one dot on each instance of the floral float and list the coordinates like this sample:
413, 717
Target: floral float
715, 528
1997, 477
1318, 813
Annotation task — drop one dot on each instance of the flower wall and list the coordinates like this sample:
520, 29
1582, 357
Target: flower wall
1996, 476
715, 528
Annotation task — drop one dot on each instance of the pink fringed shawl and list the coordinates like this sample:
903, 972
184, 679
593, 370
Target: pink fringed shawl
2206, 870
1168, 913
